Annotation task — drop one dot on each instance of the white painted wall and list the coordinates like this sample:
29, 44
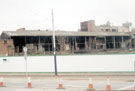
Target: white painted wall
82, 63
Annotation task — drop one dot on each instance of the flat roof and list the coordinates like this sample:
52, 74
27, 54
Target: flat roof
61, 33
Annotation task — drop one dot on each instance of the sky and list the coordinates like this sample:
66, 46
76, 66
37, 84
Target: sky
36, 14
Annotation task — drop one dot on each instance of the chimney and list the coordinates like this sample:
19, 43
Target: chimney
21, 29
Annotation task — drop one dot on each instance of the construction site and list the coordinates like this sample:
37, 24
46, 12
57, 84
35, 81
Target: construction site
89, 39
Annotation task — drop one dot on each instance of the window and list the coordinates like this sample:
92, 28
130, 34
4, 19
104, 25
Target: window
114, 30
5, 41
107, 30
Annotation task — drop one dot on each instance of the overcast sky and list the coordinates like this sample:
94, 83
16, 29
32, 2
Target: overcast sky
36, 14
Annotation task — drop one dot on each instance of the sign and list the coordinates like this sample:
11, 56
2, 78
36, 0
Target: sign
25, 49
5, 60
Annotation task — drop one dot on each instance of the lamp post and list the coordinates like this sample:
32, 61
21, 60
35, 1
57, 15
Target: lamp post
54, 45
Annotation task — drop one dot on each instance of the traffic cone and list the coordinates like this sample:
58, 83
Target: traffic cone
1, 81
90, 82
108, 87
60, 86
29, 81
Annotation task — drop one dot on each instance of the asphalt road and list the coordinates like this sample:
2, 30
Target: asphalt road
70, 83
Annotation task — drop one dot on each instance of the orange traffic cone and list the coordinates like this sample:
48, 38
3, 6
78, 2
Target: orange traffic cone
108, 87
1, 81
90, 82
60, 83
29, 82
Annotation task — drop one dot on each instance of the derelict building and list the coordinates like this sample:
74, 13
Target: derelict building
89, 39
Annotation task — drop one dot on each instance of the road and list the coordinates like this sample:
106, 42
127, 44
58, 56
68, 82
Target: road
70, 83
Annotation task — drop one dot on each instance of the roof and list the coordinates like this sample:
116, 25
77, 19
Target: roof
61, 33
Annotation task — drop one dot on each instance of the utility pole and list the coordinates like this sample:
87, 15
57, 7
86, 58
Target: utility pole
54, 45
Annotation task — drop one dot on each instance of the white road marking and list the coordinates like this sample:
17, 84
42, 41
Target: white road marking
126, 87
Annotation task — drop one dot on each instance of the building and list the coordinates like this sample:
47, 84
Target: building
90, 26
40, 42
88, 40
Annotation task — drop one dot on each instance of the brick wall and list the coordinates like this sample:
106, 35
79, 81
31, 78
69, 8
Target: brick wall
88, 26
6, 47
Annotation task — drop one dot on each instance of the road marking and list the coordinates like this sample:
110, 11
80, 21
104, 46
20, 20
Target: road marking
126, 87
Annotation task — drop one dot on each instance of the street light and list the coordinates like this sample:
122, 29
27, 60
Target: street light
54, 45
25, 58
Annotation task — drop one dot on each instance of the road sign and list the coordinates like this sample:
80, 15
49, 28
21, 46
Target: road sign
25, 49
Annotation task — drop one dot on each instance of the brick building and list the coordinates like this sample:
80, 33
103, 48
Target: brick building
89, 26
6, 47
